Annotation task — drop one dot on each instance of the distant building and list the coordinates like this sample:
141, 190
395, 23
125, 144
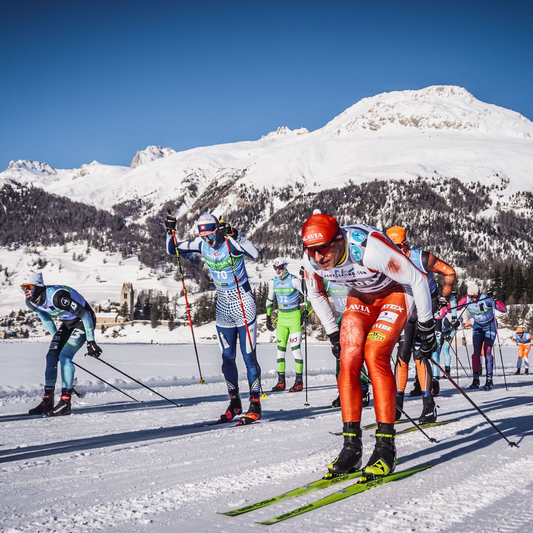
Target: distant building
127, 297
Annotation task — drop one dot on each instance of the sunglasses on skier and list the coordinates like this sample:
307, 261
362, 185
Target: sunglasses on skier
27, 287
322, 249
209, 238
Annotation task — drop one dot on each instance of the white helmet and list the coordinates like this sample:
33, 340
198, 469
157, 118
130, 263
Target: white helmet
473, 289
33, 277
280, 263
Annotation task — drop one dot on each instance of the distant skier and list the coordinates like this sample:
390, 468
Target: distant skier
523, 340
481, 308
286, 288
339, 294
382, 283
450, 323
428, 264
229, 318
77, 326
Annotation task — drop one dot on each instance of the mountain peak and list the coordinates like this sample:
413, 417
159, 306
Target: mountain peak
150, 153
435, 108
282, 131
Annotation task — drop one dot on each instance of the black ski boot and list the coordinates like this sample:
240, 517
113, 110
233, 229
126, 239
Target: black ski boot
488, 383
429, 411
298, 384
435, 387
399, 405
526, 372
447, 369
475, 383
253, 414
63, 406
46, 405
417, 391
234, 408
280, 385
517, 373
383, 461
366, 394
336, 402
351, 456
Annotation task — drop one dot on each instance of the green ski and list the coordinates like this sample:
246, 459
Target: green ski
424, 426
327, 481
357, 488
310, 487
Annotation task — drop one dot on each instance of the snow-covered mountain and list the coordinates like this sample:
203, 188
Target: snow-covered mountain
440, 131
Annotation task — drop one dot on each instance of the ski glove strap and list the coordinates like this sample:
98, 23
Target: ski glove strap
170, 223
93, 349
335, 339
269, 325
426, 339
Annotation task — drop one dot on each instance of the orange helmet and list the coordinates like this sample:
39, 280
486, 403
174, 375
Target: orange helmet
397, 235
520, 329
319, 229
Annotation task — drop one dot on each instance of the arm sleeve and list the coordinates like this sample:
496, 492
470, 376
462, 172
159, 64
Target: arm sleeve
382, 256
184, 247
270, 298
297, 284
318, 297
45, 318
243, 245
62, 300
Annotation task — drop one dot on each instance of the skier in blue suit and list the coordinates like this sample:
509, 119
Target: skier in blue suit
77, 326
211, 244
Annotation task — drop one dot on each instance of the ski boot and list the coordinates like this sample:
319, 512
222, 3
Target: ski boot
63, 406
383, 461
366, 394
336, 402
488, 383
435, 386
475, 384
253, 414
526, 372
46, 405
447, 369
517, 373
429, 411
234, 408
351, 456
280, 385
417, 391
399, 405
298, 384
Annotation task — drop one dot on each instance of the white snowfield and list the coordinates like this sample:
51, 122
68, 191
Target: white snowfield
116, 465
439, 131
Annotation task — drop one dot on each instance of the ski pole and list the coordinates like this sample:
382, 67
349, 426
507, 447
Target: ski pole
136, 381
467, 354
202, 380
252, 346
104, 381
501, 355
458, 362
304, 287
511, 444
431, 439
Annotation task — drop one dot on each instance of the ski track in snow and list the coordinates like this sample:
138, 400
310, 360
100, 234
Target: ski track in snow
123, 467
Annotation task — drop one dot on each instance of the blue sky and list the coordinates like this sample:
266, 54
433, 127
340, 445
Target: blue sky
99, 80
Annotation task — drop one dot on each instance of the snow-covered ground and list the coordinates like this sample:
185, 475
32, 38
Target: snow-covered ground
120, 466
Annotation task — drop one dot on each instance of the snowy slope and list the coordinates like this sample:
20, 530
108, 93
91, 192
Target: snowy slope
437, 131
120, 466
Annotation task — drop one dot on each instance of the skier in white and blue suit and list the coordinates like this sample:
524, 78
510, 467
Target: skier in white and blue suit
77, 325
211, 243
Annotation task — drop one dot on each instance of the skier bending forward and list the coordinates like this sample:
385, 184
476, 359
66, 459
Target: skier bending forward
382, 282
229, 317
77, 325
